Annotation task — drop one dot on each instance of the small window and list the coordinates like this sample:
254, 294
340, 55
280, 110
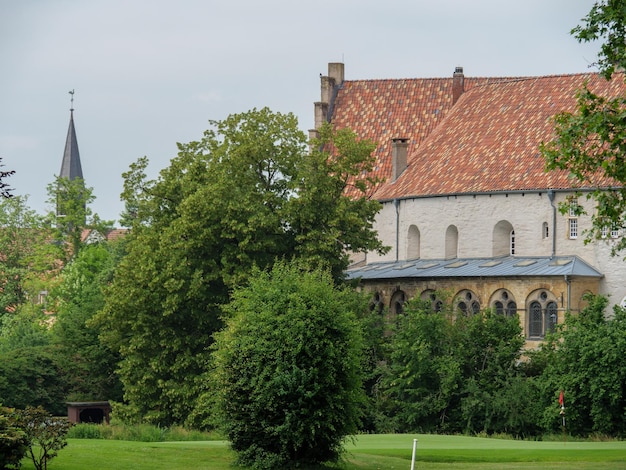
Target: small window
615, 232
604, 232
512, 244
573, 228
545, 230
573, 207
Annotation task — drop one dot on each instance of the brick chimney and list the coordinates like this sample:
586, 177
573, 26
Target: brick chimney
399, 147
458, 84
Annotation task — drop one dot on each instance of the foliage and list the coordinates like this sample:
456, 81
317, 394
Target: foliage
13, 441
584, 358
29, 258
287, 365
245, 195
5, 189
46, 434
590, 142
456, 374
138, 432
89, 365
71, 199
32, 376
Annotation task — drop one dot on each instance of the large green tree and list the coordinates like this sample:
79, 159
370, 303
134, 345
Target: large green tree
449, 373
287, 376
584, 358
248, 193
89, 365
591, 141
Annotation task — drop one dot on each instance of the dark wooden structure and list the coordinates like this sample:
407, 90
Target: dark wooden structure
97, 412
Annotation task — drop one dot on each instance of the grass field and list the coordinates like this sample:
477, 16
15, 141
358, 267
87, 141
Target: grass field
367, 452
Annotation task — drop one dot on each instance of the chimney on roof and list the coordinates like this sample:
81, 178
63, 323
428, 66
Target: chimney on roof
458, 84
328, 83
399, 147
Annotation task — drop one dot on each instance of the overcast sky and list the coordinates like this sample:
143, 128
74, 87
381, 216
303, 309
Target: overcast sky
150, 73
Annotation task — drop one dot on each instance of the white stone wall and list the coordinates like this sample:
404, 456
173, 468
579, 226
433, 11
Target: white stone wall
475, 217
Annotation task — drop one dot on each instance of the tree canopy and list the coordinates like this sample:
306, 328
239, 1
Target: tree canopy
245, 195
287, 368
591, 141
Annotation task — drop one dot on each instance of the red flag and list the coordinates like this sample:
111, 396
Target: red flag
561, 398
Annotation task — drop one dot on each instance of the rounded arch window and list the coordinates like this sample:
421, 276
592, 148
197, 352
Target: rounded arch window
542, 314
503, 239
467, 302
413, 243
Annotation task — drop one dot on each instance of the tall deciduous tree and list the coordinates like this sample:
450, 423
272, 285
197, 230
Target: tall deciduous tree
248, 193
584, 359
287, 369
71, 199
591, 141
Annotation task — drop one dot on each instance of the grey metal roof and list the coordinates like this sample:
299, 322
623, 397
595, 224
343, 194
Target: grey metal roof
476, 267
70, 167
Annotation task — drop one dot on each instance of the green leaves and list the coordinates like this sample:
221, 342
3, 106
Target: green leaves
287, 368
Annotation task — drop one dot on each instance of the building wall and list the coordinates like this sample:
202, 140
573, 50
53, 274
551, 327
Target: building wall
483, 224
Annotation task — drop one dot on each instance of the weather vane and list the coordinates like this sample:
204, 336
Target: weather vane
71, 100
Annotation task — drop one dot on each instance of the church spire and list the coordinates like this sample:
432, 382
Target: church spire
70, 167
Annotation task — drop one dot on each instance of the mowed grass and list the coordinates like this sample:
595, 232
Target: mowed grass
367, 452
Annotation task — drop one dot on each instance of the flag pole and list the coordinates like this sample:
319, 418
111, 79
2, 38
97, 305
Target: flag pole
562, 413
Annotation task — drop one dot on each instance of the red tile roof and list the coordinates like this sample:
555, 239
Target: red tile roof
488, 141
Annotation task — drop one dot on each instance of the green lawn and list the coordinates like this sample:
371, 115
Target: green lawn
368, 452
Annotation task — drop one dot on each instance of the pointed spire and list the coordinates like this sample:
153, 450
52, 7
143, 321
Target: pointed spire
70, 167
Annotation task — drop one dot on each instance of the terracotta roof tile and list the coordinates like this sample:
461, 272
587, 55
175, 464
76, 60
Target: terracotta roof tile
488, 141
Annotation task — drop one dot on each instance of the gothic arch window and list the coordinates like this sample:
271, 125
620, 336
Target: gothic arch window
413, 243
396, 306
376, 303
503, 303
452, 242
430, 295
467, 303
503, 240
543, 313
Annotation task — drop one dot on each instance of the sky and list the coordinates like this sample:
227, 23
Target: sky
150, 73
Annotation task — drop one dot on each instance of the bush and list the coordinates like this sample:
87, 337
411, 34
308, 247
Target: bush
46, 434
288, 369
13, 441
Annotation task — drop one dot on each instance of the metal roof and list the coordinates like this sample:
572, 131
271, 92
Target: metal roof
509, 266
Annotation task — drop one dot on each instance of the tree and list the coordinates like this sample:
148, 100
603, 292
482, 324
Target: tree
46, 434
5, 189
245, 195
449, 373
13, 441
584, 358
591, 142
287, 364
71, 199
88, 364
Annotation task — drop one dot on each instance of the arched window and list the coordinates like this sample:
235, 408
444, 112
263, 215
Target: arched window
503, 303
503, 239
376, 304
535, 325
431, 296
467, 303
397, 303
413, 243
543, 313
452, 242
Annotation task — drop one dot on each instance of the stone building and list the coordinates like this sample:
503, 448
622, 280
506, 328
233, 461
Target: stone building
467, 206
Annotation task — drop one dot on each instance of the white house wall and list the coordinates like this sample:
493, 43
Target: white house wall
475, 217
